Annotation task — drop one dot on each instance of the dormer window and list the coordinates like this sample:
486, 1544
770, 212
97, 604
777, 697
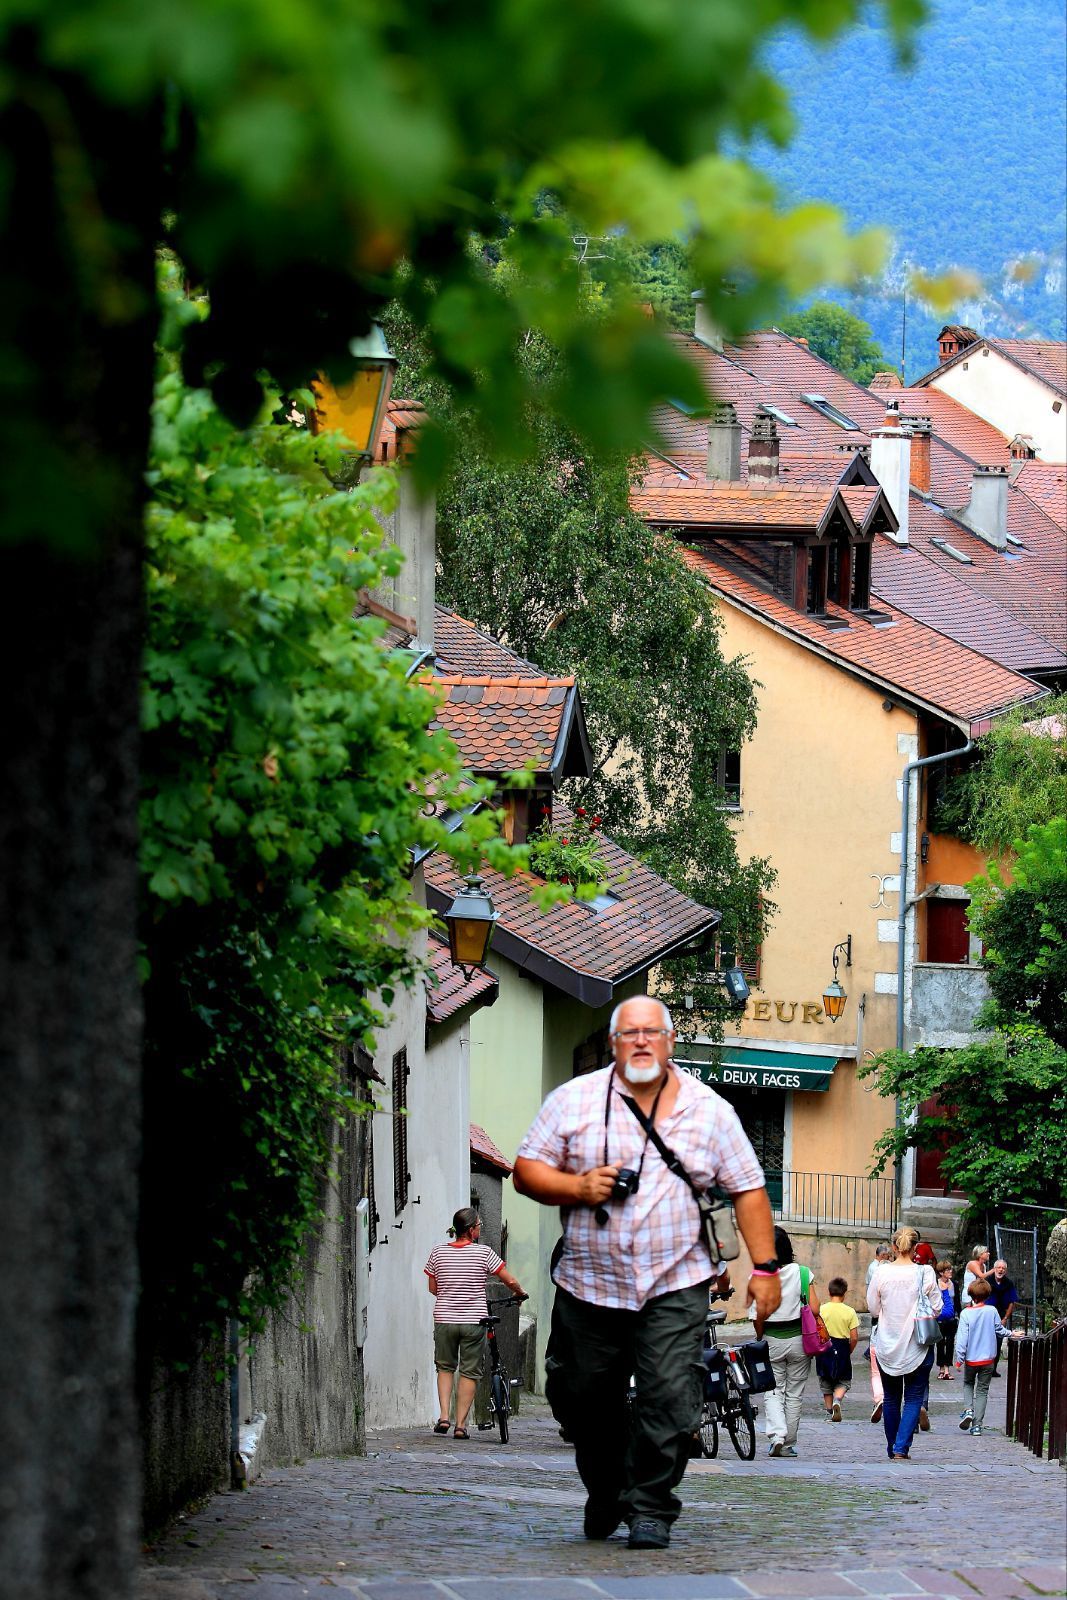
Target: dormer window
819, 403
817, 575
860, 596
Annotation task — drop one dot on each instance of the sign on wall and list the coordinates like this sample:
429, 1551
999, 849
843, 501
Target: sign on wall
757, 1069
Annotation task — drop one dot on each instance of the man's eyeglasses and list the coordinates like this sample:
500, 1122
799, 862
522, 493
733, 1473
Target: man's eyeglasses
628, 1035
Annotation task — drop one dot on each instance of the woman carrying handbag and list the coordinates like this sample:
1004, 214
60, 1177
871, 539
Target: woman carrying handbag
790, 1360
907, 1301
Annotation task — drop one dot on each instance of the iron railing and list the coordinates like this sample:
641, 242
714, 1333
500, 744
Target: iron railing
833, 1200
1037, 1392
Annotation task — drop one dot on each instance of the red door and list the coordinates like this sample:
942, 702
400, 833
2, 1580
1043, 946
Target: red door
947, 938
929, 1178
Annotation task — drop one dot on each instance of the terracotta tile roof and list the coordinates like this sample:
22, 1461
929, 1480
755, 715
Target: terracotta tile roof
447, 991
500, 723
402, 420
861, 499
955, 425
462, 647
1045, 484
584, 952
924, 666
1027, 585
721, 506
909, 580
483, 1148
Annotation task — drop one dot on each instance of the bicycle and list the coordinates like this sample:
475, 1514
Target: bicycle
500, 1383
733, 1408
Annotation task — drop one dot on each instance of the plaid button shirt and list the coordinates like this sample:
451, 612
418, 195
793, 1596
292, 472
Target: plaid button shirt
651, 1242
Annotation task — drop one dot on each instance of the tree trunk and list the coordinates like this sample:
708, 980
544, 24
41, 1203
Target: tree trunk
76, 327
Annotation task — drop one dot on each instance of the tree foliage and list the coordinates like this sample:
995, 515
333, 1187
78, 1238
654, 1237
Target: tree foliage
840, 338
1002, 1129
1017, 778
286, 765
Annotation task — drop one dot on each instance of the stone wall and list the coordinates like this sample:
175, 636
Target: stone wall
185, 1438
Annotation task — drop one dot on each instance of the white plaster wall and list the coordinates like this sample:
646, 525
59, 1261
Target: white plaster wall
1010, 399
399, 1384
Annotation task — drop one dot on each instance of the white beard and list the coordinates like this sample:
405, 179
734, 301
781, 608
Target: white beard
639, 1075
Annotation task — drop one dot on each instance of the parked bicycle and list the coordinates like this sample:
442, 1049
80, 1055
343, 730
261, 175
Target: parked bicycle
500, 1381
726, 1393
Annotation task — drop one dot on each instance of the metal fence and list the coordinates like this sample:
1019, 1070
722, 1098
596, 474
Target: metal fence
1037, 1392
833, 1200
1020, 1233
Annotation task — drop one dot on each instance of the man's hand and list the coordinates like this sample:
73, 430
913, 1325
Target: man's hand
766, 1292
596, 1185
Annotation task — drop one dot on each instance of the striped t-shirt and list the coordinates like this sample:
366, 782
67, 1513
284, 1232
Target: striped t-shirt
461, 1271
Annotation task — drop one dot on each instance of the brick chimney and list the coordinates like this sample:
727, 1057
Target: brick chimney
920, 429
986, 512
763, 456
704, 328
891, 465
952, 339
724, 444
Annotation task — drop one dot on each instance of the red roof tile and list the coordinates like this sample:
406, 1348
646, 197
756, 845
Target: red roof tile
501, 723
1045, 358
924, 666
731, 506
583, 951
448, 992
484, 1148
1045, 484
462, 647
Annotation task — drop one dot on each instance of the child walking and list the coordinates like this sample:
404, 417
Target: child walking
976, 1351
834, 1366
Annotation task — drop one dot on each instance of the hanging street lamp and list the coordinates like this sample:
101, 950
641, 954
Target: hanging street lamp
834, 996
470, 919
356, 407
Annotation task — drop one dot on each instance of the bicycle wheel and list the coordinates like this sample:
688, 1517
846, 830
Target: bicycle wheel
709, 1430
742, 1426
501, 1402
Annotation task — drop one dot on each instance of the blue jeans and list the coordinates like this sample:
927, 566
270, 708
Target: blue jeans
902, 1400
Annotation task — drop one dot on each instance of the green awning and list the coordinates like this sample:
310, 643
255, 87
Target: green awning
757, 1069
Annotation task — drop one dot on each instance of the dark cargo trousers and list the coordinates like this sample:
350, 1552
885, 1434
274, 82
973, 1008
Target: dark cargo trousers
592, 1352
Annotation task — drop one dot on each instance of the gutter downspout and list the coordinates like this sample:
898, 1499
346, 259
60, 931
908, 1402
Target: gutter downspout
906, 904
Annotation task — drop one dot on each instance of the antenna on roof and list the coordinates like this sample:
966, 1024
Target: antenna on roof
904, 326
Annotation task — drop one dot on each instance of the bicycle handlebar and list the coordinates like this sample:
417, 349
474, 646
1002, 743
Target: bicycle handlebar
720, 1294
512, 1300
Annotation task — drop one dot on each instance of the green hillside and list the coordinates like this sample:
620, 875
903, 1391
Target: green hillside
961, 156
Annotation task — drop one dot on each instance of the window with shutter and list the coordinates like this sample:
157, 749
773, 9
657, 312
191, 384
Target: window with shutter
401, 1175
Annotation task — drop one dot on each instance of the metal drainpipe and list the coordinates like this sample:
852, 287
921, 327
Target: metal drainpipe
905, 904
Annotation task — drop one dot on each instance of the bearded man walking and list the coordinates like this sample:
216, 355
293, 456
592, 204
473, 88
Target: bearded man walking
632, 1278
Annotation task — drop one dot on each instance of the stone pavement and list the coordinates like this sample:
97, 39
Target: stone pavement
422, 1518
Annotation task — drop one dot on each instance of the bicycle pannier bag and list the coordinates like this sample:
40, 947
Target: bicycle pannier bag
714, 1374
927, 1327
757, 1358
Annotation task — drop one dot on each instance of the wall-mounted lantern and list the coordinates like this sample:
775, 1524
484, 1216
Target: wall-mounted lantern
834, 996
470, 919
356, 407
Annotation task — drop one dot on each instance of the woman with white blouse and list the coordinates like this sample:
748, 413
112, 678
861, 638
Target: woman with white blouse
902, 1361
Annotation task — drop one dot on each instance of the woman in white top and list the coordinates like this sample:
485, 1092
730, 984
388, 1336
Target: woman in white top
977, 1267
791, 1366
903, 1362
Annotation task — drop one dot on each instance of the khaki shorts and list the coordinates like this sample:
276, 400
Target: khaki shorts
459, 1344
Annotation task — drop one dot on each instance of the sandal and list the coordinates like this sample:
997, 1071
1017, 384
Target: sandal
441, 1427
460, 1433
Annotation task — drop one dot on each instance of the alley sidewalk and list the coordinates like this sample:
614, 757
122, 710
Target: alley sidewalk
422, 1518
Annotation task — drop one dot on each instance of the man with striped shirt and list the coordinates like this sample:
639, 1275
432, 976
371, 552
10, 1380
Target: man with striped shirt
632, 1279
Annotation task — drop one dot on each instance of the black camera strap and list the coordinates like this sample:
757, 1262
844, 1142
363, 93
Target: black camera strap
649, 1131
670, 1160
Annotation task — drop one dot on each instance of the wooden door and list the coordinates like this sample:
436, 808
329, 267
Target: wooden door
947, 938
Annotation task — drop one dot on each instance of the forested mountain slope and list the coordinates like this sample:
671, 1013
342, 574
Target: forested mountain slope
961, 156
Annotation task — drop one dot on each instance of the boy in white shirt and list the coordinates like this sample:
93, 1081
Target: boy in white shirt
976, 1351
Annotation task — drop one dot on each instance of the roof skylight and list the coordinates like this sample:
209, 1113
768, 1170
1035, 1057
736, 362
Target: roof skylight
819, 403
950, 550
680, 405
779, 416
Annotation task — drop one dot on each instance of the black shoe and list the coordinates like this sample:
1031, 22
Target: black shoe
600, 1522
649, 1533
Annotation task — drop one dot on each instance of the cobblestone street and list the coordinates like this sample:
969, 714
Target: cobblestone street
423, 1518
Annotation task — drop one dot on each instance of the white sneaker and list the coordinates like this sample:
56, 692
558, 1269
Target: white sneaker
966, 1418
835, 1414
